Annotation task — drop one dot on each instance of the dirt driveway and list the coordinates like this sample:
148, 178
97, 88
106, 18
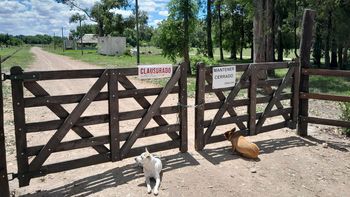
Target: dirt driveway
288, 165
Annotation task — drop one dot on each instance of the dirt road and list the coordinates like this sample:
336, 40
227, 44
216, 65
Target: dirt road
288, 165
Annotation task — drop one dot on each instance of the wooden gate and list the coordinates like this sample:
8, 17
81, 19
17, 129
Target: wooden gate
250, 122
31, 159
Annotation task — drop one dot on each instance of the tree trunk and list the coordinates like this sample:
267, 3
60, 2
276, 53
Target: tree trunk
269, 34
220, 31
340, 57
186, 50
317, 53
334, 62
326, 50
209, 40
252, 51
258, 32
242, 37
233, 39
345, 57
100, 28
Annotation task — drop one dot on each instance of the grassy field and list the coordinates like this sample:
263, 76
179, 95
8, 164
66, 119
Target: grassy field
22, 58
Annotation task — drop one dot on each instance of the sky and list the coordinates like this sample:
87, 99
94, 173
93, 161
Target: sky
31, 17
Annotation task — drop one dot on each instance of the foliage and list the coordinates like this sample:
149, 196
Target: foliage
201, 59
345, 108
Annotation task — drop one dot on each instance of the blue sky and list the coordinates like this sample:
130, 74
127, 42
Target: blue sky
30, 17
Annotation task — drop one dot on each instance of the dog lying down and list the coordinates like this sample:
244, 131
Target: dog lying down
152, 166
241, 145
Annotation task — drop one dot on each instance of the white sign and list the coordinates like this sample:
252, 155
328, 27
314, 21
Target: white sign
155, 71
224, 77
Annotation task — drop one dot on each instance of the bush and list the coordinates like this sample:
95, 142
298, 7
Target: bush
345, 108
197, 59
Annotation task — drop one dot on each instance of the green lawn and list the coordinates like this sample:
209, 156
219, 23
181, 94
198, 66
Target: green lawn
22, 58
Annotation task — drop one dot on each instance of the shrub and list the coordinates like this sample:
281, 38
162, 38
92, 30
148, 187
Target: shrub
197, 59
345, 108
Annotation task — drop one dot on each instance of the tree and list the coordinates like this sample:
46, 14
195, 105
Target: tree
78, 18
209, 39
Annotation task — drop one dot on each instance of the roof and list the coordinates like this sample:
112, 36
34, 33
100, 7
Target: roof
90, 39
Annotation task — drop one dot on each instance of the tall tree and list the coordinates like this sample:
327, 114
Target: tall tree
209, 25
78, 18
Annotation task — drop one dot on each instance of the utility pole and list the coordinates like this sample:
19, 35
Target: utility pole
137, 33
62, 41
81, 38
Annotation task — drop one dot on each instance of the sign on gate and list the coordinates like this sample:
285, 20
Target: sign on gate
155, 71
224, 77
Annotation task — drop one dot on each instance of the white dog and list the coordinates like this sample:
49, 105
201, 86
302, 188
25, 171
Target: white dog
152, 166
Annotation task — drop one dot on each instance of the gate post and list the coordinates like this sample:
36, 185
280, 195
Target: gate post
183, 108
252, 100
4, 183
113, 108
305, 47
20, 129
199, 110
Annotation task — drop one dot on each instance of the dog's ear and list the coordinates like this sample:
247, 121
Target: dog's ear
227, 135
147, 154
146, 150
234, 129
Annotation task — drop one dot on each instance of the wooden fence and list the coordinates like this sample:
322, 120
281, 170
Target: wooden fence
74, 121
251, 122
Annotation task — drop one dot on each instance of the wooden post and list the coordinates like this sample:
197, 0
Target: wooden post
113, 108
4, 183
183, 108
295, 91
252, 101
305, 47
20, 129
199, 110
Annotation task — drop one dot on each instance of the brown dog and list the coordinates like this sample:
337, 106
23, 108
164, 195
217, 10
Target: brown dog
241, 145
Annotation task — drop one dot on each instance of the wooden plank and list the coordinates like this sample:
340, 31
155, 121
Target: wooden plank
305, 51
97, 119
59, 111
252, 101
327, 97
153, 148
68, 123
150, 114
4, 184
260, 65
69, 165
274, 99
244, 102
222, 98
113, 109
74, 74
76, 98
152, 131
226, 104
143, 102
183, 108
295, 99
245, 118
71, 145
199, 110
20, 129
326, 72
330, 122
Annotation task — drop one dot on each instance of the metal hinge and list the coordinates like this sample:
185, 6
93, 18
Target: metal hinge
26, 77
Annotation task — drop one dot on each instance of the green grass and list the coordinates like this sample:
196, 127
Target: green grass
124, 61
22, 58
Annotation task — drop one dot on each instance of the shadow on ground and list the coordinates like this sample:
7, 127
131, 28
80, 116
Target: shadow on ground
218, 155
114, 177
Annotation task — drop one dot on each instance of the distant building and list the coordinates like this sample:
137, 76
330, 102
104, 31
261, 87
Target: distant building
111, 45
90, 39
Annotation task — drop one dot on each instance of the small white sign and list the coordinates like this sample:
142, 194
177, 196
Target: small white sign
224, 77
155, 71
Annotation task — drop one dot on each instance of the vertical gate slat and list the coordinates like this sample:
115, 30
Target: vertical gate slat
199, 110
183, 108
20, 129
305, 47
4, 184
252, 101
295, 100
113, 107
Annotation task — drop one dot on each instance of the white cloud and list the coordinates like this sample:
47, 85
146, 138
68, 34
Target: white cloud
155, 22
164, 13
124, 13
